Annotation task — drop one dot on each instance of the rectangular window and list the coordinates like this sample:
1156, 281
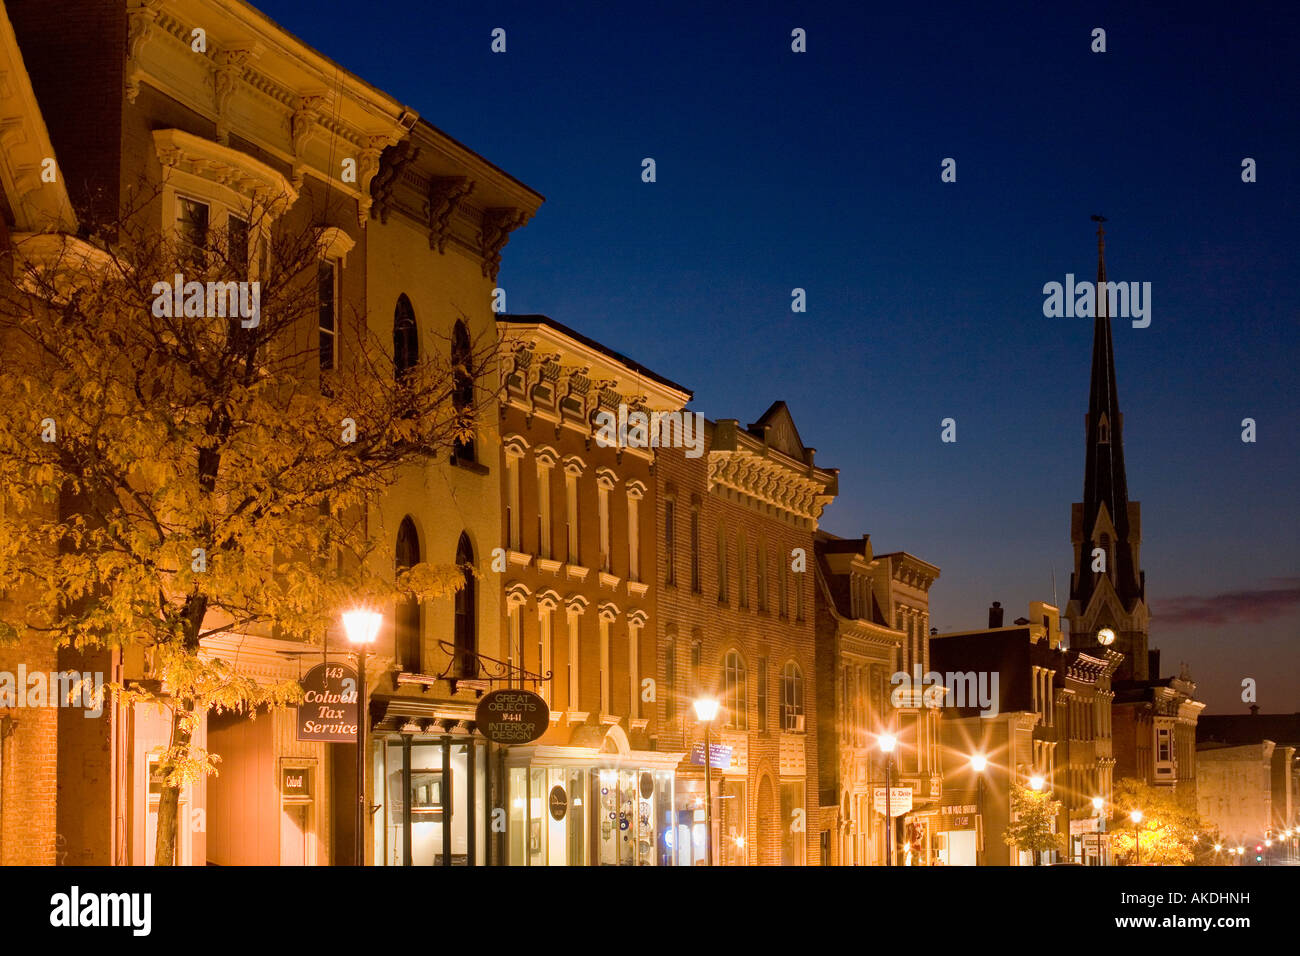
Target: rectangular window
695, 551
697, 653
191, 228
761, 694
782, 580
543, 511
512, 502
237, 240
326, 299
572, 616
602, 514
670, 678
670, 541
604, 666
1162, 744
798, 597
544, 665
634, 669
571, 514
762, 577
633, 538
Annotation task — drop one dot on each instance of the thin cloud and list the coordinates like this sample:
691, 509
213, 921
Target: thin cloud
1254, 605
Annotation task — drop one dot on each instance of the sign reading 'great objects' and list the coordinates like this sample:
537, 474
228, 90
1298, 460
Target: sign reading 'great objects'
512, 716
328, 710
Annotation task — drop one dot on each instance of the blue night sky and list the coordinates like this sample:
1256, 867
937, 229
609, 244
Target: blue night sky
821, 170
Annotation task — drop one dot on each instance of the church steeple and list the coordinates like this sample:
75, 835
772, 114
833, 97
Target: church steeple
1107, 589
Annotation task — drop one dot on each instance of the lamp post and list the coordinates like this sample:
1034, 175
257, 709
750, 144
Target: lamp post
706, 709
362, 627
1136, 817
979, 763
1099, 805
887, 744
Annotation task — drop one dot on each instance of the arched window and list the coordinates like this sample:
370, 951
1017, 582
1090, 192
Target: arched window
462, 394
465, 636
735, 697
406, 338
792, 698
407, 621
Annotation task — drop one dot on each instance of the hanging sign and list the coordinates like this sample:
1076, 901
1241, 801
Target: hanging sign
512, 716
559, 802
900, 800
328, 711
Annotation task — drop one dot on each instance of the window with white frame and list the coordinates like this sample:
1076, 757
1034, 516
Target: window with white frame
792, 715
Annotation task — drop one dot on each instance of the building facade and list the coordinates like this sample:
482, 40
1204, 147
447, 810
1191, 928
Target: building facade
580, 589
1048, 715
873, 624
244, 136
736, 622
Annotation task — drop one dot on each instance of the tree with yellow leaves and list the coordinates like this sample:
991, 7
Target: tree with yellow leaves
1165, 834
176, 464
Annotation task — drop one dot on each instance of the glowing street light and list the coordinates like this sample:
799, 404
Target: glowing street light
887, 743
706, 711
362, 628
1136, 817
979, 763
1037, 782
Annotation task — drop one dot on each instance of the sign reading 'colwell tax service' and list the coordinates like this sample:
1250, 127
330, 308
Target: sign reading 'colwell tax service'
328, 711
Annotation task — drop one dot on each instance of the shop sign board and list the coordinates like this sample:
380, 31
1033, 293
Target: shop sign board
328, 711
512, 716
900, 800
719, 756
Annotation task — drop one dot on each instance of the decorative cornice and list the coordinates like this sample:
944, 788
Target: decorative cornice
227, 70
446, 193
498, 223
392, 163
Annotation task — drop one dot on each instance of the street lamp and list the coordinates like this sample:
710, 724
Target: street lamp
887, 744
979, 763
1037, 782
1136, 817
1099, 805
362, 627
706, 710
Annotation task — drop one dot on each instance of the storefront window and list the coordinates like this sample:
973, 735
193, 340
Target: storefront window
732, 848
685, 842
793, 823
440, 802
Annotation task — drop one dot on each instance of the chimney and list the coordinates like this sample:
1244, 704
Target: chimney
995, 615
1153, 664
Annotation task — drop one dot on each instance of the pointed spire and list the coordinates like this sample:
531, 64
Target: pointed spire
1104, 481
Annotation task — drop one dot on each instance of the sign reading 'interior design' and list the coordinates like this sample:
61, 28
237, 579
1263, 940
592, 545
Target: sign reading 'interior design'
512, 716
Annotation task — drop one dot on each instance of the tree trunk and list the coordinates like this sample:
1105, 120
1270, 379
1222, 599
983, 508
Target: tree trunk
164, 853
196, 608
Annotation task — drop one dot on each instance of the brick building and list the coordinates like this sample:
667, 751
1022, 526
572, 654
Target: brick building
873, 623
736, 620
580, 594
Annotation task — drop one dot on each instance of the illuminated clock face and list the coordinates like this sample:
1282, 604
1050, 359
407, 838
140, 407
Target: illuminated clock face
1106, 636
